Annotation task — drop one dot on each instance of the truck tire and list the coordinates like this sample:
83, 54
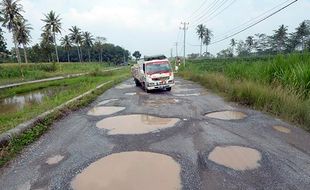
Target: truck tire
137, 82
168, 89
145, 89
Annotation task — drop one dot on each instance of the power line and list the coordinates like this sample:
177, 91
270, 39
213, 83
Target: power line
221, 11
261, 20
207, 9
204, 2
254, 19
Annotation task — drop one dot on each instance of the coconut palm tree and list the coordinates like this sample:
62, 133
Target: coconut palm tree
11, 13
47, 41
53, 24
249, 42
207, 38
302, 32
23, 35
66, 43
200, 32
88, 42
280, 38
77, 38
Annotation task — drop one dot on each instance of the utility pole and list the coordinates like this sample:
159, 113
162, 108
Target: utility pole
184, 28
176, 49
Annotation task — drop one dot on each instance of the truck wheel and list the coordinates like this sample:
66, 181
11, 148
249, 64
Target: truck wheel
145, 89
168, 89
137, 82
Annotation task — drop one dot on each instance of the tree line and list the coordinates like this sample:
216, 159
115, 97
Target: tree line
281, 41
76, 46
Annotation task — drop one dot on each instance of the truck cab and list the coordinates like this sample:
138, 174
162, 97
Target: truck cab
153, 72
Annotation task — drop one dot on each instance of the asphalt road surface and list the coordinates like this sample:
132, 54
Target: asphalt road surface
164, 140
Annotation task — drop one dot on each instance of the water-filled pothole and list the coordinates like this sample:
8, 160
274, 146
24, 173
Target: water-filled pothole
185, 95
132, 171
124, 86
54, 160
282, 129
130, 93
135, 124
227, 115
104, 102
160, 102
236, 157
104, 110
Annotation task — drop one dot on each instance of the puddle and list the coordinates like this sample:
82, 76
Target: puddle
282, 129
160, 102
236, 157
135, 124
19, 102
130, 93
104, 102
227, 115
104, 110
184, 95
124, 86
54, 160
130, 171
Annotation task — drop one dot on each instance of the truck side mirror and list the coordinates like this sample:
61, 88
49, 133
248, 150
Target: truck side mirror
144, 68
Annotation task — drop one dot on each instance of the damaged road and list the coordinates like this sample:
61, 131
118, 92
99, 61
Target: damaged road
188, 138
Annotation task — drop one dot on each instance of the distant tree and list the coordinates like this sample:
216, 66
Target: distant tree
77, 38
66, 44
99, 45
46, 44
23, 35
53, 24
226, 53
242, 48
3, 44
249, 42
261, 43
137, 55
88, 42
10, 11
201, 34
233, 45
279, 39
302, 33
207, 38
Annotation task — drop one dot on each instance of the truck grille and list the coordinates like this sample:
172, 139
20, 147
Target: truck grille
161, 78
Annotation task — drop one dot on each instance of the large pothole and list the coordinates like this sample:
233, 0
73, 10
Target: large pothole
124, 86
54, 160
160, 102
135, 124
227, 115
236, 157
282, 129
130, 171
104, 110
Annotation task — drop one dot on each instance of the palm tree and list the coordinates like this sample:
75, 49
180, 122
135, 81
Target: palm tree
233, 45
53, 24
280, 37
302, 32
66, 43
99, 44
249, 42
23, 35
11, 11
47, 42
88, 42
76, 38
207, 38
201, 31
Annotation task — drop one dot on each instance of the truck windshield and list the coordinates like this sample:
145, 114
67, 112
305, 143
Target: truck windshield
157, 68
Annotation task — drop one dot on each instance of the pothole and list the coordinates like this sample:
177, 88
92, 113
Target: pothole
124, 86
160, 102
227, 115
104, 110
236, 157
104, 102
184, 95
282, 129
130, 93
132, 171
135, 124
54, 160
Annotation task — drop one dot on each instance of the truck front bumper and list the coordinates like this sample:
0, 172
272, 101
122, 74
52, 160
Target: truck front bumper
163, 86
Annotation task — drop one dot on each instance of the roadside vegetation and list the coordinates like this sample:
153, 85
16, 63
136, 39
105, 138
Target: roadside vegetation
11, 73
70, 88
279, 85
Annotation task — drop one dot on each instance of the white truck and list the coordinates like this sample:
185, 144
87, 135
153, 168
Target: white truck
154, 72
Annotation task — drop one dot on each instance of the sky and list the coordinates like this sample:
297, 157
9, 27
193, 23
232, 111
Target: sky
153, 26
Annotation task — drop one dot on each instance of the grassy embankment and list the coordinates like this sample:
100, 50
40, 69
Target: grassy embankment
278, 85
74, 87
12, 73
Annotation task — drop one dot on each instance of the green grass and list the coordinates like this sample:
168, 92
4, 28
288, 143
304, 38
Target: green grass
12, 73
73, 88
17, 144
278, 85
